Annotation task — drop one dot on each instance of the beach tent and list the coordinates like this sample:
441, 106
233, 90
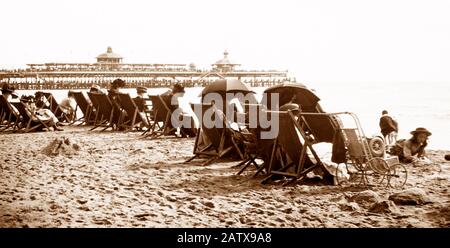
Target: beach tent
312, 126
322, 127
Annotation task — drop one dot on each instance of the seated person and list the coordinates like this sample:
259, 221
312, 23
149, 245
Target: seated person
41, 100
96, 89
9, 93
42, 114
68, 106
412, 150
140, 99
116, 85
176, 92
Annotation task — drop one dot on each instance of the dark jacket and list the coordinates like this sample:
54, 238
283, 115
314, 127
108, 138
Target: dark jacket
388, 125
140, 103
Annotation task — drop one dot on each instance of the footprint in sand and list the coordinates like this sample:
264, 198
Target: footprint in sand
257, 211
230, 223
84, 208
208, 204
287, 210
280, 220
101, 222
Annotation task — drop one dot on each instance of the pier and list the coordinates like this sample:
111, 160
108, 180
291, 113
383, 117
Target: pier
110, 66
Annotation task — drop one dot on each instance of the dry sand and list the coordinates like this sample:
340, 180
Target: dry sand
116, 179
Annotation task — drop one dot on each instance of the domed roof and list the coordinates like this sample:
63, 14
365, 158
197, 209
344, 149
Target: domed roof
109, 54
192, 65
225, 60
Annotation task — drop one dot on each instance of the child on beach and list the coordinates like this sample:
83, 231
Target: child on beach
412, 150
389, 128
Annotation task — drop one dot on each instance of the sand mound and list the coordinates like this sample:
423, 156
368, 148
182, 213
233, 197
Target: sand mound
61, 146
366, 198
384, 207
413, 196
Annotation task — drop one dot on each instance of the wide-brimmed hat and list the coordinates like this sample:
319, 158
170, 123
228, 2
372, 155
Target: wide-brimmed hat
7, 89
38, 94
421, 130
141, 89
118, 83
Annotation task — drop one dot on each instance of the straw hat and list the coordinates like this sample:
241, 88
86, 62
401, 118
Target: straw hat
421, 130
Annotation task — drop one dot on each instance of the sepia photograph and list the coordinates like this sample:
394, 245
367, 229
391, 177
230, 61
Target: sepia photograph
225, 114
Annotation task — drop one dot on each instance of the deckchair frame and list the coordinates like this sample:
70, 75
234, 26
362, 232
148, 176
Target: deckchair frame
104, 111
298, 160
8, 115
85, 106
130, 107
218, 147
30, 121
251, 150
56, 108
161, 112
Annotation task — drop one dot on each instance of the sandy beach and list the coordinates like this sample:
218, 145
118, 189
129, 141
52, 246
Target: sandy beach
117, 179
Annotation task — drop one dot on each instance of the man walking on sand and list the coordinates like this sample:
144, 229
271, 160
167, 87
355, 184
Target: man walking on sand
389, 128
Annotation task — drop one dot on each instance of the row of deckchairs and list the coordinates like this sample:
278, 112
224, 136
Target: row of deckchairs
100, 111
23, 120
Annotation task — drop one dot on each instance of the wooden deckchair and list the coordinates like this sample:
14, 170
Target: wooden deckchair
56, 108
118, 113
9, 118
134, 116
219, 141
253, 145
86, 108
30, 121
161, 113
104, 111
3, 121
295, 145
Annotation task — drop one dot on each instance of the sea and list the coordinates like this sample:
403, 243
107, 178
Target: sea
411, 104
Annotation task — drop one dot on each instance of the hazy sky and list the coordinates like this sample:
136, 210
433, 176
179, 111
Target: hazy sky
318, 41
